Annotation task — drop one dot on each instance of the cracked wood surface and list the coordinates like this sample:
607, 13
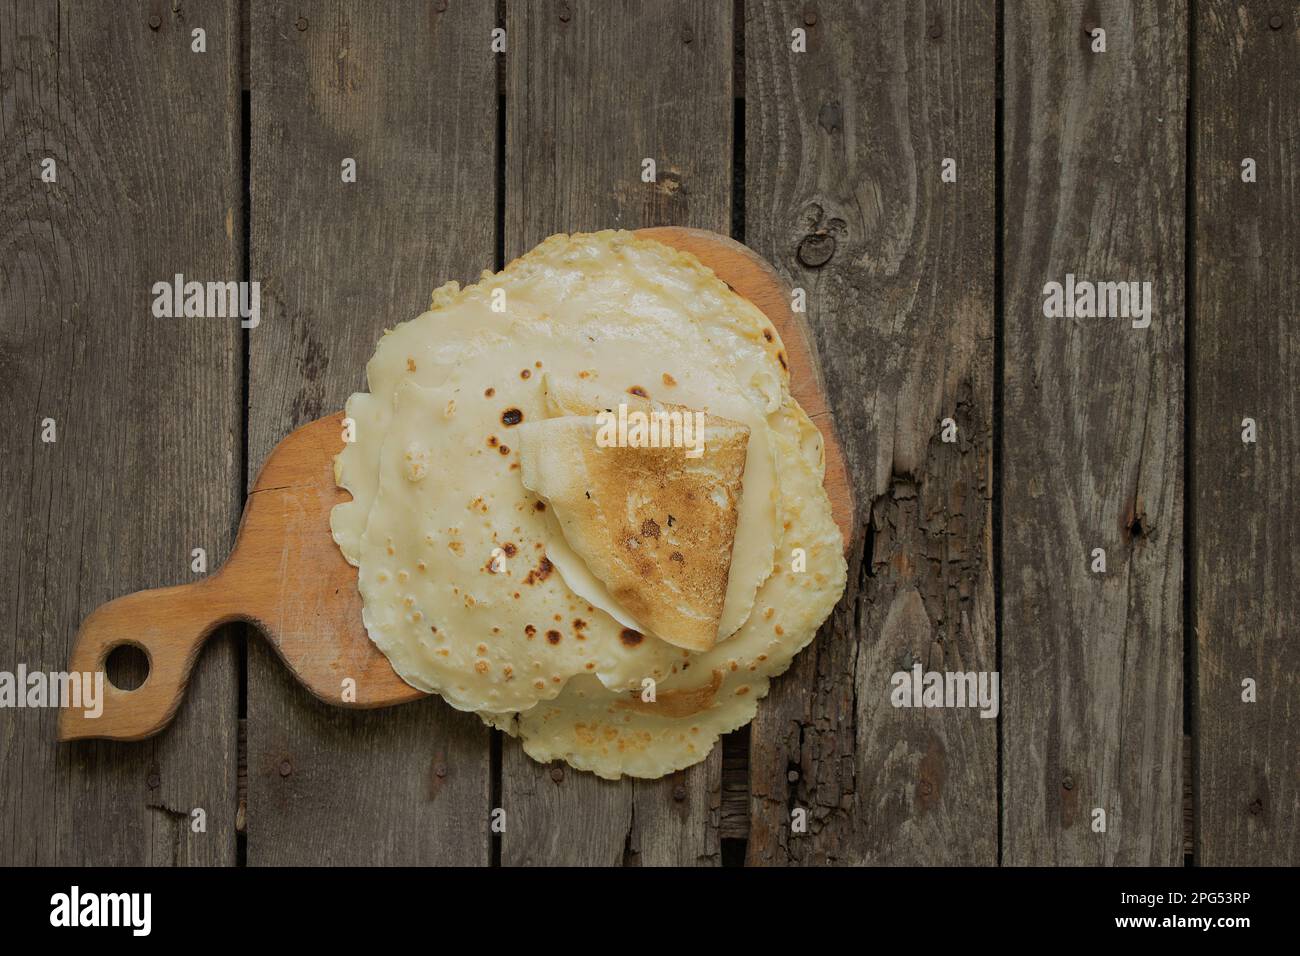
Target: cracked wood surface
638, 79
1092, 445
1246, 364
410, 93
147, 410
843, 153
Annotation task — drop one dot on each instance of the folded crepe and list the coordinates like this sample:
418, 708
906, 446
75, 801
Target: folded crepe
655, 525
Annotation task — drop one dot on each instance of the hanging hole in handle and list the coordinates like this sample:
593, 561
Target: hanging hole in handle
127, 667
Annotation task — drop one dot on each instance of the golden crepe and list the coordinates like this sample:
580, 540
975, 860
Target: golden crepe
527, 612
654, 524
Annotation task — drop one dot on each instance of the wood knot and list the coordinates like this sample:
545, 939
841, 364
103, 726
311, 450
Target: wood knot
557, 774
301, 24
830, 117
286, 768
816, 250
155, 22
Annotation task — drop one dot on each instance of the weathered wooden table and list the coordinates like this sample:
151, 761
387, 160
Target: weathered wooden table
1121, 691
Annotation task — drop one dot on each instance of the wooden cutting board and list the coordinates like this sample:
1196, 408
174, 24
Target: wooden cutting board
287, 577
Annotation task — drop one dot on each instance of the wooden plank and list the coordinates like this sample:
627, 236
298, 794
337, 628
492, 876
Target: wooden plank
844, 145
1093, 442
408, 90
1246, 365
592, 89
145, 136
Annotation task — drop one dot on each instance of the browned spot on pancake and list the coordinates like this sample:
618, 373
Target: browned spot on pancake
630, 638
504, 449
669, 380
676, 556
489, 392
511, 417
539, 505
767, 334
780, 357
649, 529
492, 441
579, 624
676, 703
553, 637
410, 364
510, 549
537, 364
540, 573
638, 391
525, 373
530, 631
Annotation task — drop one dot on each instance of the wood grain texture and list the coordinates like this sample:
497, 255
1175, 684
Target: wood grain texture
592, 89
1092, 448
146, 139
844, 145
409, 92
1247, 365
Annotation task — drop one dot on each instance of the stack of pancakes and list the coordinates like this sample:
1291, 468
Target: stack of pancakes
613, 601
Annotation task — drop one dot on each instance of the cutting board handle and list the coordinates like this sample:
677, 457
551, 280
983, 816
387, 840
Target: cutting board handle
169, 625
